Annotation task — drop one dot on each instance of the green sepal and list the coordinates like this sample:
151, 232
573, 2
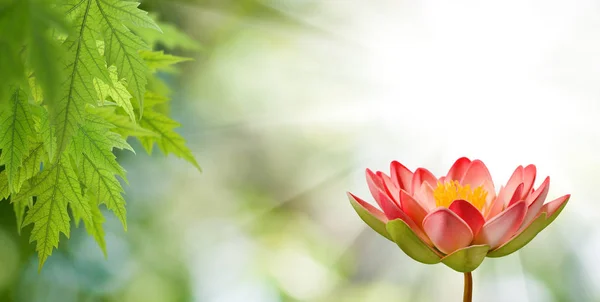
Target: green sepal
410, 243
372, 221
466, 259
516, 243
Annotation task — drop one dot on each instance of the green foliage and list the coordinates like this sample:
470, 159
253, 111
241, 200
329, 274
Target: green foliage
168, 140
171, 38
17, 126
157, 60
77, 79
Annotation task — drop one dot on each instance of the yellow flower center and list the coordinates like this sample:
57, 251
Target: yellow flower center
446, 193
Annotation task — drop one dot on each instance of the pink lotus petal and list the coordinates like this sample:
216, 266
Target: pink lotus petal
547, 210
469, 214
458, 169
412, 208
425, 197
421, 176
514, 181
478, 175
447, 231
392, 190
500, 228
505, 196
529, 174
376, 186
554, 205
389, 207
517, 195
401, 176
535, 201
541, 191
371, 209
497, 205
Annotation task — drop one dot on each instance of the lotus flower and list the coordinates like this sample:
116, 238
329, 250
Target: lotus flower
457, 219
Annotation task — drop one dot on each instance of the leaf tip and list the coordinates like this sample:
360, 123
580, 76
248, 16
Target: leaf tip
42, 259
197, 166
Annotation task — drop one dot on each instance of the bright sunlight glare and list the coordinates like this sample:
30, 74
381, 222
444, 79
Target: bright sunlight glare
420, 82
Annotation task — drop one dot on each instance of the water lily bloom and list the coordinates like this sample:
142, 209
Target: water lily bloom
457, 219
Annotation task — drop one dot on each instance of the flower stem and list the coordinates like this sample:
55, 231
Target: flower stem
468, 292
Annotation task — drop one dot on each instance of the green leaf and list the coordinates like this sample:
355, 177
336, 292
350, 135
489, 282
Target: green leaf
122, 45
95, 229
122, 124
81, 64
36, 91
376, 224
129, 14
171, 37
152, 99
55, 188
158, 87
31, 164
19, 207
46, 131
94, 226
92, 151
466, 259
4, 190
12, 70
117, 91
16, 128
43, 52
158, 60
12, 38
168, 141
410, 243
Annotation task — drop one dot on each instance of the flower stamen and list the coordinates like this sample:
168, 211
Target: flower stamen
446, 193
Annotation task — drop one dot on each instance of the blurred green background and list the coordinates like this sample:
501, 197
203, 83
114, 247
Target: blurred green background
288, 101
